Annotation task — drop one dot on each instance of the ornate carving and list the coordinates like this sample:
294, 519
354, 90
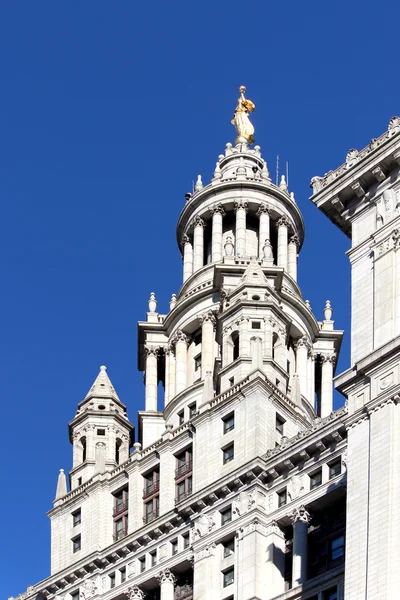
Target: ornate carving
166, 576
283, 222
263, 209
185, 239
131, 569
241, 204
208, 317
179, 336
246, 501
331, 358
294, 239
204, 552
303, 342
300, 514
203, 526
198, 222
151, 351
135, 593
162, 552
273, 528
88, 588
217, 209
296, 487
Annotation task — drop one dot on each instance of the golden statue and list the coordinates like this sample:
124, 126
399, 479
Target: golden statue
241, 119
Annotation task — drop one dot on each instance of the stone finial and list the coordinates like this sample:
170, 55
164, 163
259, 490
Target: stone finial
268, 254
293, 199
199, 184
217, 172
257, 150
283, 184
228, 149
152, 303
328, 311
228, 246
172, 302
137, 447
265, 173
61, 485
307, 303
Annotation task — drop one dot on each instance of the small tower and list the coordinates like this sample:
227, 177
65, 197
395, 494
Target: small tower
100, 432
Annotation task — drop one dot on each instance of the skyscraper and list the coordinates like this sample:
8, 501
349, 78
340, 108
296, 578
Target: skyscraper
244, 483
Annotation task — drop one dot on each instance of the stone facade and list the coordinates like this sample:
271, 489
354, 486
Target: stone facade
244, 483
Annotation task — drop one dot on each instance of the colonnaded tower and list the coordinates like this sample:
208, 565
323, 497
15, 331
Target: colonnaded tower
238, 486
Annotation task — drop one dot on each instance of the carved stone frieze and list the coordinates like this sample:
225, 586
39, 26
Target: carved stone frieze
247, 501
204, 525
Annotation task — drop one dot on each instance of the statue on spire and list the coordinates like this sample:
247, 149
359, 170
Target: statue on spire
241, 119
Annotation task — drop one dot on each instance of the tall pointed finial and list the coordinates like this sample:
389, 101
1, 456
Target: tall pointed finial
152, 302
61, 485
283, 184
241, 121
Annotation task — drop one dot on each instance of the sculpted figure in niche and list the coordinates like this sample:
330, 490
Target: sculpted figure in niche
241, 119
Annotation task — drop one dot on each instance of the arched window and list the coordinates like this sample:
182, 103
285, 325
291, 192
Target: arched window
117, 450
83, 448
235, 340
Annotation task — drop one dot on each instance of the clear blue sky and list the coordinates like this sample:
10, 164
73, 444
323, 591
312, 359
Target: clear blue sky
108, 111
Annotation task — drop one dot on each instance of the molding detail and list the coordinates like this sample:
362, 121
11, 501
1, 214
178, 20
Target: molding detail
300, 514
263, 209
247, 501
283, 222
166, 576
241, 204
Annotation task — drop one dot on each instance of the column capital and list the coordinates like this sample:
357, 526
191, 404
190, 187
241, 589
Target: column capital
208, 317
294, 239
198, 222
300, 514
165, 576
179, 336
331, 358
241, 204
303, 342
283, 222
135, 593
151, 351
217, 209
263, 209
185, 240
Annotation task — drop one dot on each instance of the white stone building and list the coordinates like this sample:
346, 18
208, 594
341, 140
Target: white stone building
244, 484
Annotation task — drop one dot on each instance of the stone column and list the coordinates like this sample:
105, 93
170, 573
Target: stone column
300, 521
151, 379
292, 256
167, 353
275, 560
226, 359
311, 377
267, 337
263, 230
302, 347
198, 243
326, 405
172, 373
90, 450
181, 342
187, 257
112, 439
167, 582
216, 243
240, 234
283, 225
207, 343
244, 342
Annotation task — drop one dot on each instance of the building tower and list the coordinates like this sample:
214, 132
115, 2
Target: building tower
236, 488
362, 197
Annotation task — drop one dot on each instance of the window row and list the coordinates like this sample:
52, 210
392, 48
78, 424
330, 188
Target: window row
334, 469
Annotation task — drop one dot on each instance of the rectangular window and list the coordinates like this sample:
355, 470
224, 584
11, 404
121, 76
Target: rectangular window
76, 543
101, 432
79, 483
181, 417
315, 479
279, 423
122, 574
183, 463
231, 381
76, 517
185, 539
197, 362
229, 547
192, 410
75, 595
142, 564
151, 483
229, 422
228, 453
112, 580
335, 468
151, 509
153, 558
226, 515
282, 497
229, 576
174, 547
330, 594
255, 325
337, 548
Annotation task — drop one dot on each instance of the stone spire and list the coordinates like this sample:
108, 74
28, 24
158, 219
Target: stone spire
102, 387
61, 485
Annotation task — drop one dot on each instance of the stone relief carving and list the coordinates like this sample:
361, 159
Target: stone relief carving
87, 589
162, 552
296, 486
204, 552
203, 526
246, 501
